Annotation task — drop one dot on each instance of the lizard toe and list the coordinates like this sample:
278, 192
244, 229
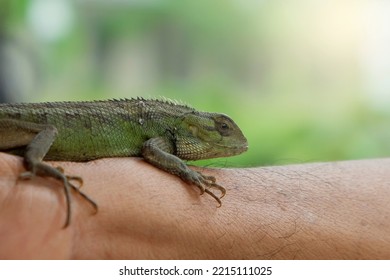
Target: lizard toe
218, 187
206, 183
75, 178
27, 175
215, 197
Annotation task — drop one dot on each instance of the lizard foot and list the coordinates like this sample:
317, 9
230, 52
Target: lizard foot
29, 174
205, 183
40, 168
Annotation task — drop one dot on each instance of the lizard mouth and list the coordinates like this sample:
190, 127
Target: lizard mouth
233, 150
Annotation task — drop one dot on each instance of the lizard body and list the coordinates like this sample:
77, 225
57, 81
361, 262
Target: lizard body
164, 133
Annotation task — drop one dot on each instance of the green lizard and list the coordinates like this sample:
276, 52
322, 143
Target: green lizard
164, 133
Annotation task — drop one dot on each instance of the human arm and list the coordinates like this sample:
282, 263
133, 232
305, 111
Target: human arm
308, 211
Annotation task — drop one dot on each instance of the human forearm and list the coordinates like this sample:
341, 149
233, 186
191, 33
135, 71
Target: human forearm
310, 211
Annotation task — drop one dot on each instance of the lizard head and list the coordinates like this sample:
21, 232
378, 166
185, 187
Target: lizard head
208, 135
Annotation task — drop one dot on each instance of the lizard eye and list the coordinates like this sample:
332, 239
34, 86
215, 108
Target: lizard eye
223, 128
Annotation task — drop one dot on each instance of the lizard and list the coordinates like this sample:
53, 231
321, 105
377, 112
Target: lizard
164, 133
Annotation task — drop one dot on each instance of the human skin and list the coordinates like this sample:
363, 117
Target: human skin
336, 210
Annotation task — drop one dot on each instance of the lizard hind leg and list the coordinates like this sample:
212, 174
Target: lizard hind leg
36, 150
37, 139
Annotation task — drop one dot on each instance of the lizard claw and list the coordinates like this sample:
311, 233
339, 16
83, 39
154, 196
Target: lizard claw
215, 197
205, 183
218, 187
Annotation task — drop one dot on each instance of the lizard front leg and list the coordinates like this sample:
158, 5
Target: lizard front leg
37, 138
158, 151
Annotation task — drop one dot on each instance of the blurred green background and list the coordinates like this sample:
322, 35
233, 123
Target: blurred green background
305, 80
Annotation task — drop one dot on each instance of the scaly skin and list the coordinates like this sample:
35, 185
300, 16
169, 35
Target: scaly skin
164, 133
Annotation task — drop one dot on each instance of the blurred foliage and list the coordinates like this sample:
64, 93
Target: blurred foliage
305, 80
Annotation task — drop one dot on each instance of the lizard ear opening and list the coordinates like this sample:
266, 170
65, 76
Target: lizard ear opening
194, 130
